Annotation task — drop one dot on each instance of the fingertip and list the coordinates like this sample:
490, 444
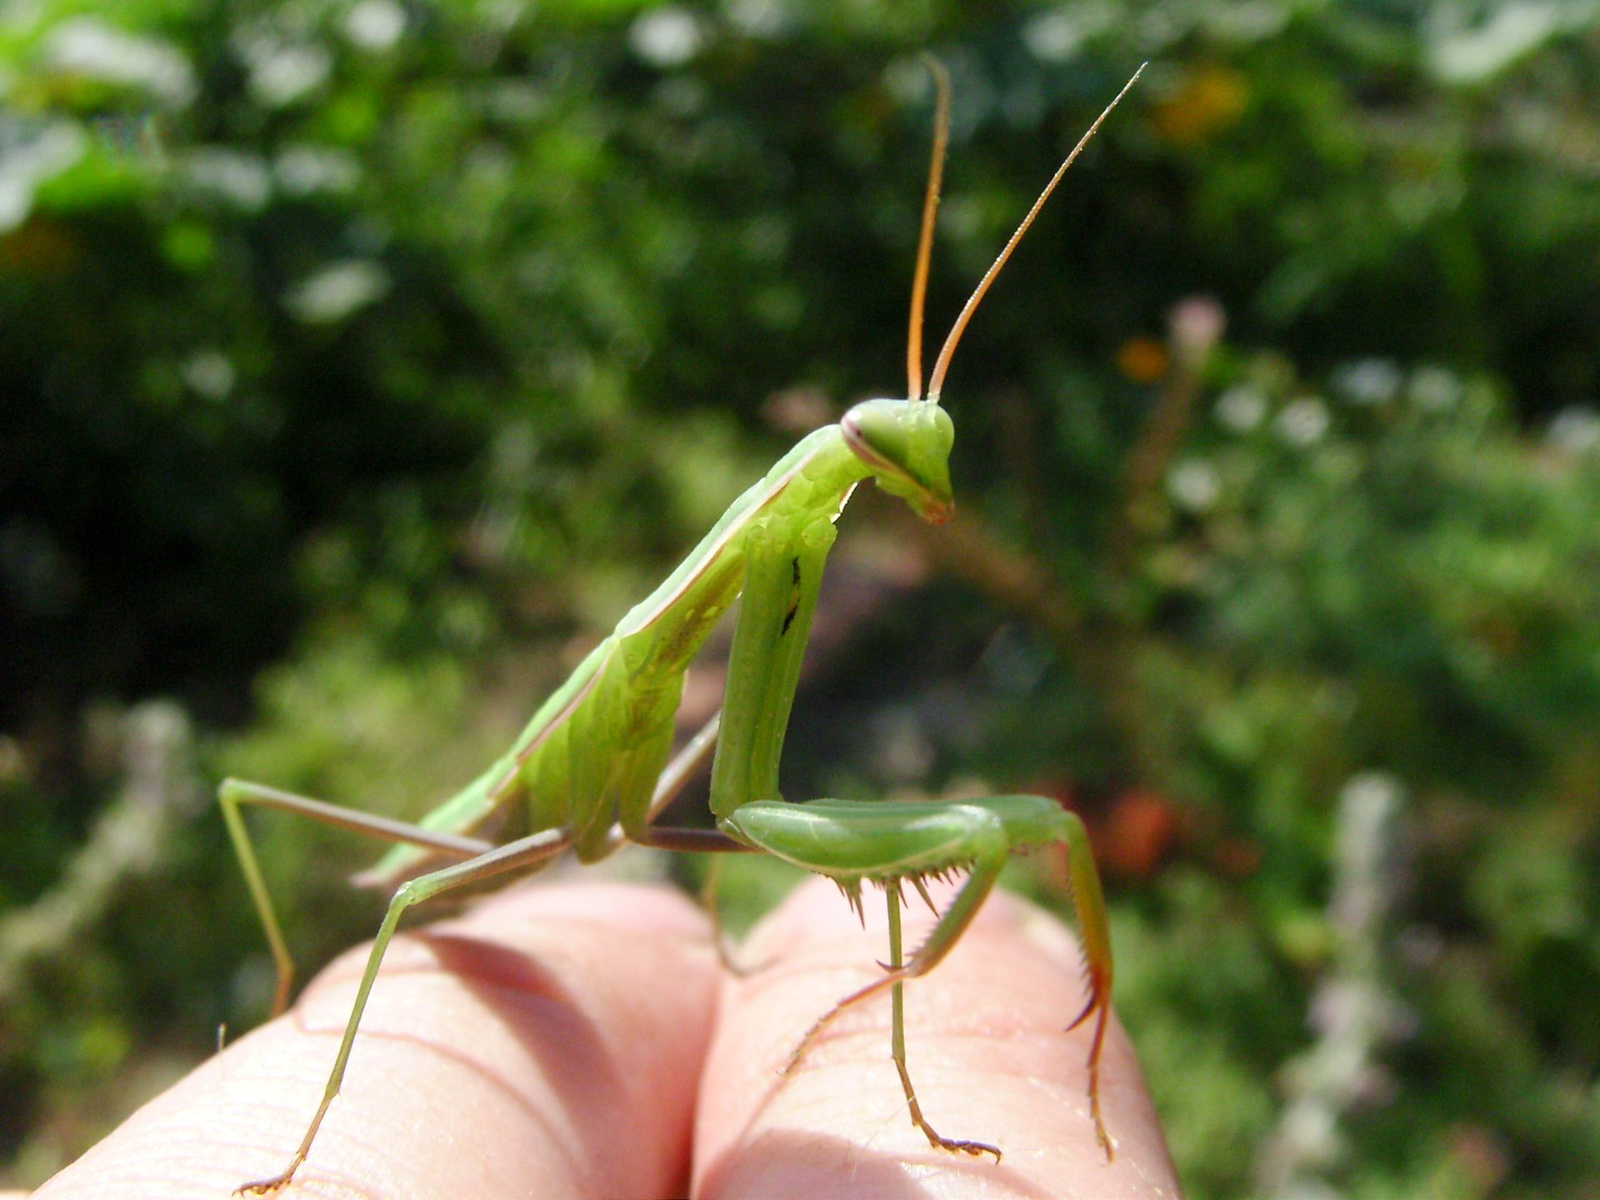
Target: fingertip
986, 1051
510, 1044
633, 908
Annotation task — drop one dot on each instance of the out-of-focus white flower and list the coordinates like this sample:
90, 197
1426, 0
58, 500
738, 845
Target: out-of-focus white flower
1368, 381
375, 24
760, 18
667, 37
1241, 408
307, 170
1194, 485
1303, 423
282, 72
1576, 430
209, 372
337, 290
241, 179
29, 159
1371, 791
1460, 46
85, 46
1434, 389
1058, 35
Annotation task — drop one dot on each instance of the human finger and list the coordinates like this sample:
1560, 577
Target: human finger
551, 1037
987, 1054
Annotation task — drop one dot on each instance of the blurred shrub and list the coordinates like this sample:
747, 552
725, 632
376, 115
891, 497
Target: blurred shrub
363, 358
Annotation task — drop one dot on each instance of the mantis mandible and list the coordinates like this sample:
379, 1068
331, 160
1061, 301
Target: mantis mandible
591, 769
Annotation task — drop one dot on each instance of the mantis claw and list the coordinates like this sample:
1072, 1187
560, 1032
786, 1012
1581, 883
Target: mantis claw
973, 1148
265, 1187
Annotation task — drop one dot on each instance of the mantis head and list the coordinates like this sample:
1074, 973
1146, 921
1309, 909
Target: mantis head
906, 443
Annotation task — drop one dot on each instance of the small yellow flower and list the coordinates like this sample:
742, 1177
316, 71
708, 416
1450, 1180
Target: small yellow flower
1210, 99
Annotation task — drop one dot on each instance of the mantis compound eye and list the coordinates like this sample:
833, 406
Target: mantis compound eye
906, 444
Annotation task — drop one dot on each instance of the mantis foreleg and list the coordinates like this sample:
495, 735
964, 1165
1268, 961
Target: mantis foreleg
783, 573
854, 841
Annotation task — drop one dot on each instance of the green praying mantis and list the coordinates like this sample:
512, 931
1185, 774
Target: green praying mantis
591, 770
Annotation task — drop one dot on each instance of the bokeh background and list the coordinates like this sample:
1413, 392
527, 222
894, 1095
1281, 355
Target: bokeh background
361, 361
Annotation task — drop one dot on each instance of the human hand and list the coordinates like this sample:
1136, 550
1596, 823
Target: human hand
579, 1039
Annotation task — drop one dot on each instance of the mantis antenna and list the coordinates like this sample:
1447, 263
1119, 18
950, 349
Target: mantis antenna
930, 209
936, 383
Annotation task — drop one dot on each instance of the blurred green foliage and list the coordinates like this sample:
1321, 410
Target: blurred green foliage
363, 360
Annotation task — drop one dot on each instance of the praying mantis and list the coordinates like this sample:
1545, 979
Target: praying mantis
591, 770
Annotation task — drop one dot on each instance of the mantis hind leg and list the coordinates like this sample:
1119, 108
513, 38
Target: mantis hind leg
234, 794
512, 856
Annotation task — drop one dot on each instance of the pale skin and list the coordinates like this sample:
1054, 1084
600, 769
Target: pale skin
582, 1041
591, 773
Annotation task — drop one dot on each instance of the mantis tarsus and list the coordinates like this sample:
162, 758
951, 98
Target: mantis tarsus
592, 771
